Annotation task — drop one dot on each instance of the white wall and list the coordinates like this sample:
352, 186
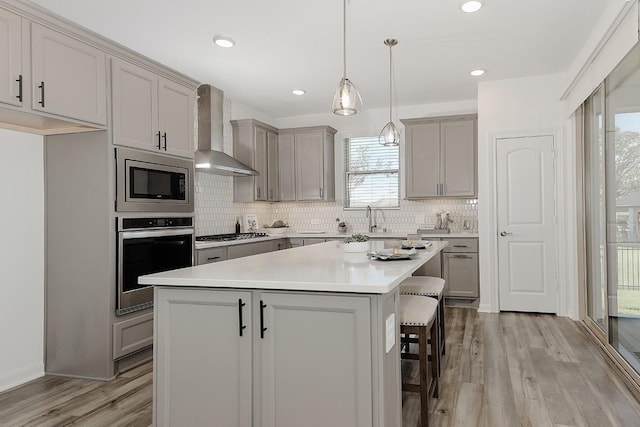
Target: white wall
21, 258
515, 107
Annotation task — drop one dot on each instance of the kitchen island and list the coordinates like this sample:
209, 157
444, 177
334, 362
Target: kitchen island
305, 336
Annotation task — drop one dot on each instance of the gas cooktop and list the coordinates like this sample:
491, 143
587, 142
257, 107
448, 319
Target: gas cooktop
229, 237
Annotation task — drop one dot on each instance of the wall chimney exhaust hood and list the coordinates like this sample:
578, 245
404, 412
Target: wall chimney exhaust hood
210, 156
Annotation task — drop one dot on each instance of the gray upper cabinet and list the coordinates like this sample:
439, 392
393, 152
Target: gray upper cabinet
68, 77
440, 157
255, 144
11, 76
314, 163
294, 164
286, 167
150, 112
176, 105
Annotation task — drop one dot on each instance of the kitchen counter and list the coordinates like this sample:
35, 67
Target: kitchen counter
322, 267
331, 235
242, 340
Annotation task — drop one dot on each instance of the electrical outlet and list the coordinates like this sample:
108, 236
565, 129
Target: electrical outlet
315, 221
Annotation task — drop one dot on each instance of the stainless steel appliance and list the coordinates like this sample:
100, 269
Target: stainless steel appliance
150, 182
145, 246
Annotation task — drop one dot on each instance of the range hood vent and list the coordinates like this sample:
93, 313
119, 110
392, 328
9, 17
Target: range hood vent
210, 156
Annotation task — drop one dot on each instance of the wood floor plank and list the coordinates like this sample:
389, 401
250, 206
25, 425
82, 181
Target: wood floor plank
468, 411
503, 370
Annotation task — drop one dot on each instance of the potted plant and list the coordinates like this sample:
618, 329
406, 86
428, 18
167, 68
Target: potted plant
356, 243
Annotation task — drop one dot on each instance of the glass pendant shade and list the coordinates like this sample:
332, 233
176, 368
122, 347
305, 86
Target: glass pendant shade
347, 100
390, 136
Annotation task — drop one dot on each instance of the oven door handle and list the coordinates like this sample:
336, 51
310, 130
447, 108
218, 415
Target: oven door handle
140, 234
170, 243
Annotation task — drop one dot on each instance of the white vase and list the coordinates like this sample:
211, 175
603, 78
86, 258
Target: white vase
356, 247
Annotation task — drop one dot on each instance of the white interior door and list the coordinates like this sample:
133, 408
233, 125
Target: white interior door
526, 224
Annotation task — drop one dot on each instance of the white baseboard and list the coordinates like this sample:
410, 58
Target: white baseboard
21, 376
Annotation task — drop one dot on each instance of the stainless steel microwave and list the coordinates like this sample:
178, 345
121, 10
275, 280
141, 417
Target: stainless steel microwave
150, 182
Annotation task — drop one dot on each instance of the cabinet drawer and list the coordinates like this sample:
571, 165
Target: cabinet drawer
461, 245
209, 255
132, 335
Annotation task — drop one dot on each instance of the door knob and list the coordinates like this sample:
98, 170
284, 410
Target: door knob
504, 233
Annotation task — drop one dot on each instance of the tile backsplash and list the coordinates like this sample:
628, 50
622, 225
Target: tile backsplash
216, 212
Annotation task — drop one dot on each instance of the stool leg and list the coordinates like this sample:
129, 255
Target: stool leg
442, 326
435, 360
424, 384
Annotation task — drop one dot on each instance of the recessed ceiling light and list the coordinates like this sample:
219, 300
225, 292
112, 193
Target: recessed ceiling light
224, 41
298, 92
477, 73
471, 6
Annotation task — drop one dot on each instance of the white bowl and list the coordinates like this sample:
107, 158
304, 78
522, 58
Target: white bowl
356, 247
277, 230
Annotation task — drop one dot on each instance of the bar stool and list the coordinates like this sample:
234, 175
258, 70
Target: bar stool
433, 287
417, 317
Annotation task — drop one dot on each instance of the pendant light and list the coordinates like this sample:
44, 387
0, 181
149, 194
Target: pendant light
390, 135
347, 100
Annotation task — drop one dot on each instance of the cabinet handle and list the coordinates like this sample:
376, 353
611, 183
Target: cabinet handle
443, 189
270, 194
164, 136
461, 256
262, 328
19, 80
321, 192
212, 258
437, 189
41, 87
158, 135
240, 324
258, 191
460, 246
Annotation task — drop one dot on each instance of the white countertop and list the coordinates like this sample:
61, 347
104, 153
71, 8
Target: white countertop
330, 235
320, 267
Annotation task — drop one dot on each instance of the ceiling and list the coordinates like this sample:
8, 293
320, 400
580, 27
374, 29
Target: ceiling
288, 44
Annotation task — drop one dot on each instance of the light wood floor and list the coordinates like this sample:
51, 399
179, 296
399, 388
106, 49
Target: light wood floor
502, 370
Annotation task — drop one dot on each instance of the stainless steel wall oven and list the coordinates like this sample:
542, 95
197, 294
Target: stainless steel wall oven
145, 246
150, 182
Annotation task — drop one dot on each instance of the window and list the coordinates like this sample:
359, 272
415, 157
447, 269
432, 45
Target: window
371, 174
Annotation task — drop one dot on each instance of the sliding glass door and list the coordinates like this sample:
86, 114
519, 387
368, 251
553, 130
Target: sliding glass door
622, 109
612, 208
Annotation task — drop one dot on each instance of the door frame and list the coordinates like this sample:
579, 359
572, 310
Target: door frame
488, 218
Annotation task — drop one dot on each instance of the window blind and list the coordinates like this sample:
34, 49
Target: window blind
371, 174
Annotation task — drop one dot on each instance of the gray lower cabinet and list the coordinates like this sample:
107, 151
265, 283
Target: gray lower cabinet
248, 249
217, 254
209, 255
460, 268
203, 360
285, 359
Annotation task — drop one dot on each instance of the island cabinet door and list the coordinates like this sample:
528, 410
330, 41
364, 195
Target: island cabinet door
315, 362
202, 361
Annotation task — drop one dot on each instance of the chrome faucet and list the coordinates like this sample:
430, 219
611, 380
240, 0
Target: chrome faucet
372, 223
